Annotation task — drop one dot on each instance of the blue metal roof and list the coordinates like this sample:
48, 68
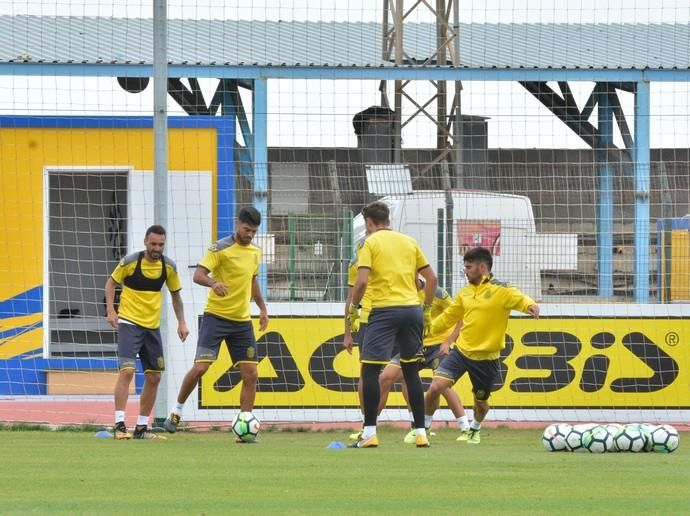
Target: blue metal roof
90, 40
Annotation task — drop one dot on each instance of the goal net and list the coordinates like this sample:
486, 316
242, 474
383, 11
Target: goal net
577, 182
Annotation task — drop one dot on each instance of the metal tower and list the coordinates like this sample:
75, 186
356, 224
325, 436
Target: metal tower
446, 121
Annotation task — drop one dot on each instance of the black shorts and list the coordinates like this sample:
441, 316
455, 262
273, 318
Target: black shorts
391, 330
133, 339
483, 373
431, 358
238, 336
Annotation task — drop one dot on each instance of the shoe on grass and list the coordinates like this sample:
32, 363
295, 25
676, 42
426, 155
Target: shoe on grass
120, 432
371, 442
473, 438
411, 437
464, 435
171, 422
421, 441
143, 432
356, 436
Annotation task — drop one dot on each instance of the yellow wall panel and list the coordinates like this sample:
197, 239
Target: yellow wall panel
25, 152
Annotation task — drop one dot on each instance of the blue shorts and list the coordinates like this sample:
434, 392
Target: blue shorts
483, 373
238, 336
133, 339
391, 330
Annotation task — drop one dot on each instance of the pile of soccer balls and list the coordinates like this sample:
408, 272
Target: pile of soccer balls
246, 427
611, 437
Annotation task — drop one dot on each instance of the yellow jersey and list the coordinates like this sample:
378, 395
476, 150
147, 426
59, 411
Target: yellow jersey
235, 266
352, 278
394, 260
442, 300
141, 299
484, 310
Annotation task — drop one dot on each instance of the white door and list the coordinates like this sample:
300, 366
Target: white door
188, 236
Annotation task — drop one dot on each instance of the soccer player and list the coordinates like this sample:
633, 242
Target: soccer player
435, 348
229, 269
142, 276
483, 306
388, 265
356, 331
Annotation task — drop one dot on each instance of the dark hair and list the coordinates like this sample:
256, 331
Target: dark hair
479, 254
378, 212
157, 229
250, 215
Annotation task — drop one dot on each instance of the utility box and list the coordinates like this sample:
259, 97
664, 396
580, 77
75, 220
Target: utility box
673, 276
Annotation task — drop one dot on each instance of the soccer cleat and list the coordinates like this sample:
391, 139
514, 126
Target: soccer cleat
120, 432
464, 435
411, 437
371, 442
422, 442
473, 438
356, 436
171, 422
143, 432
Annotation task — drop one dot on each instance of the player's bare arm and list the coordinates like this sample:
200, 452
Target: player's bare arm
111, 314
202, 277
178, 306
348, 342
431, 282
259, 300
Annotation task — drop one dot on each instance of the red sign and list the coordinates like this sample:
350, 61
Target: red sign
479, 233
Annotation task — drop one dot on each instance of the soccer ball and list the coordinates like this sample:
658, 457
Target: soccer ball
631, 439
246, 426
554, 437
574, 438
597, 440
647, 430
664, 439
613, 429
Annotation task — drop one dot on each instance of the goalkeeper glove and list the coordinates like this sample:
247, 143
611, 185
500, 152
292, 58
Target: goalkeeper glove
427, 321
353, 317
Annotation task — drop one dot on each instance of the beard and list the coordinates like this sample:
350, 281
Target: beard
244, 240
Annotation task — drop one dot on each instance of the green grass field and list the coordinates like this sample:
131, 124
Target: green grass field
46, 472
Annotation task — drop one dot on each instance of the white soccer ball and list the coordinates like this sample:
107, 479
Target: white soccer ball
631, 438
597, 440
664, 439
574, 438
613, 429
246, 426
554, 437
647, 430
